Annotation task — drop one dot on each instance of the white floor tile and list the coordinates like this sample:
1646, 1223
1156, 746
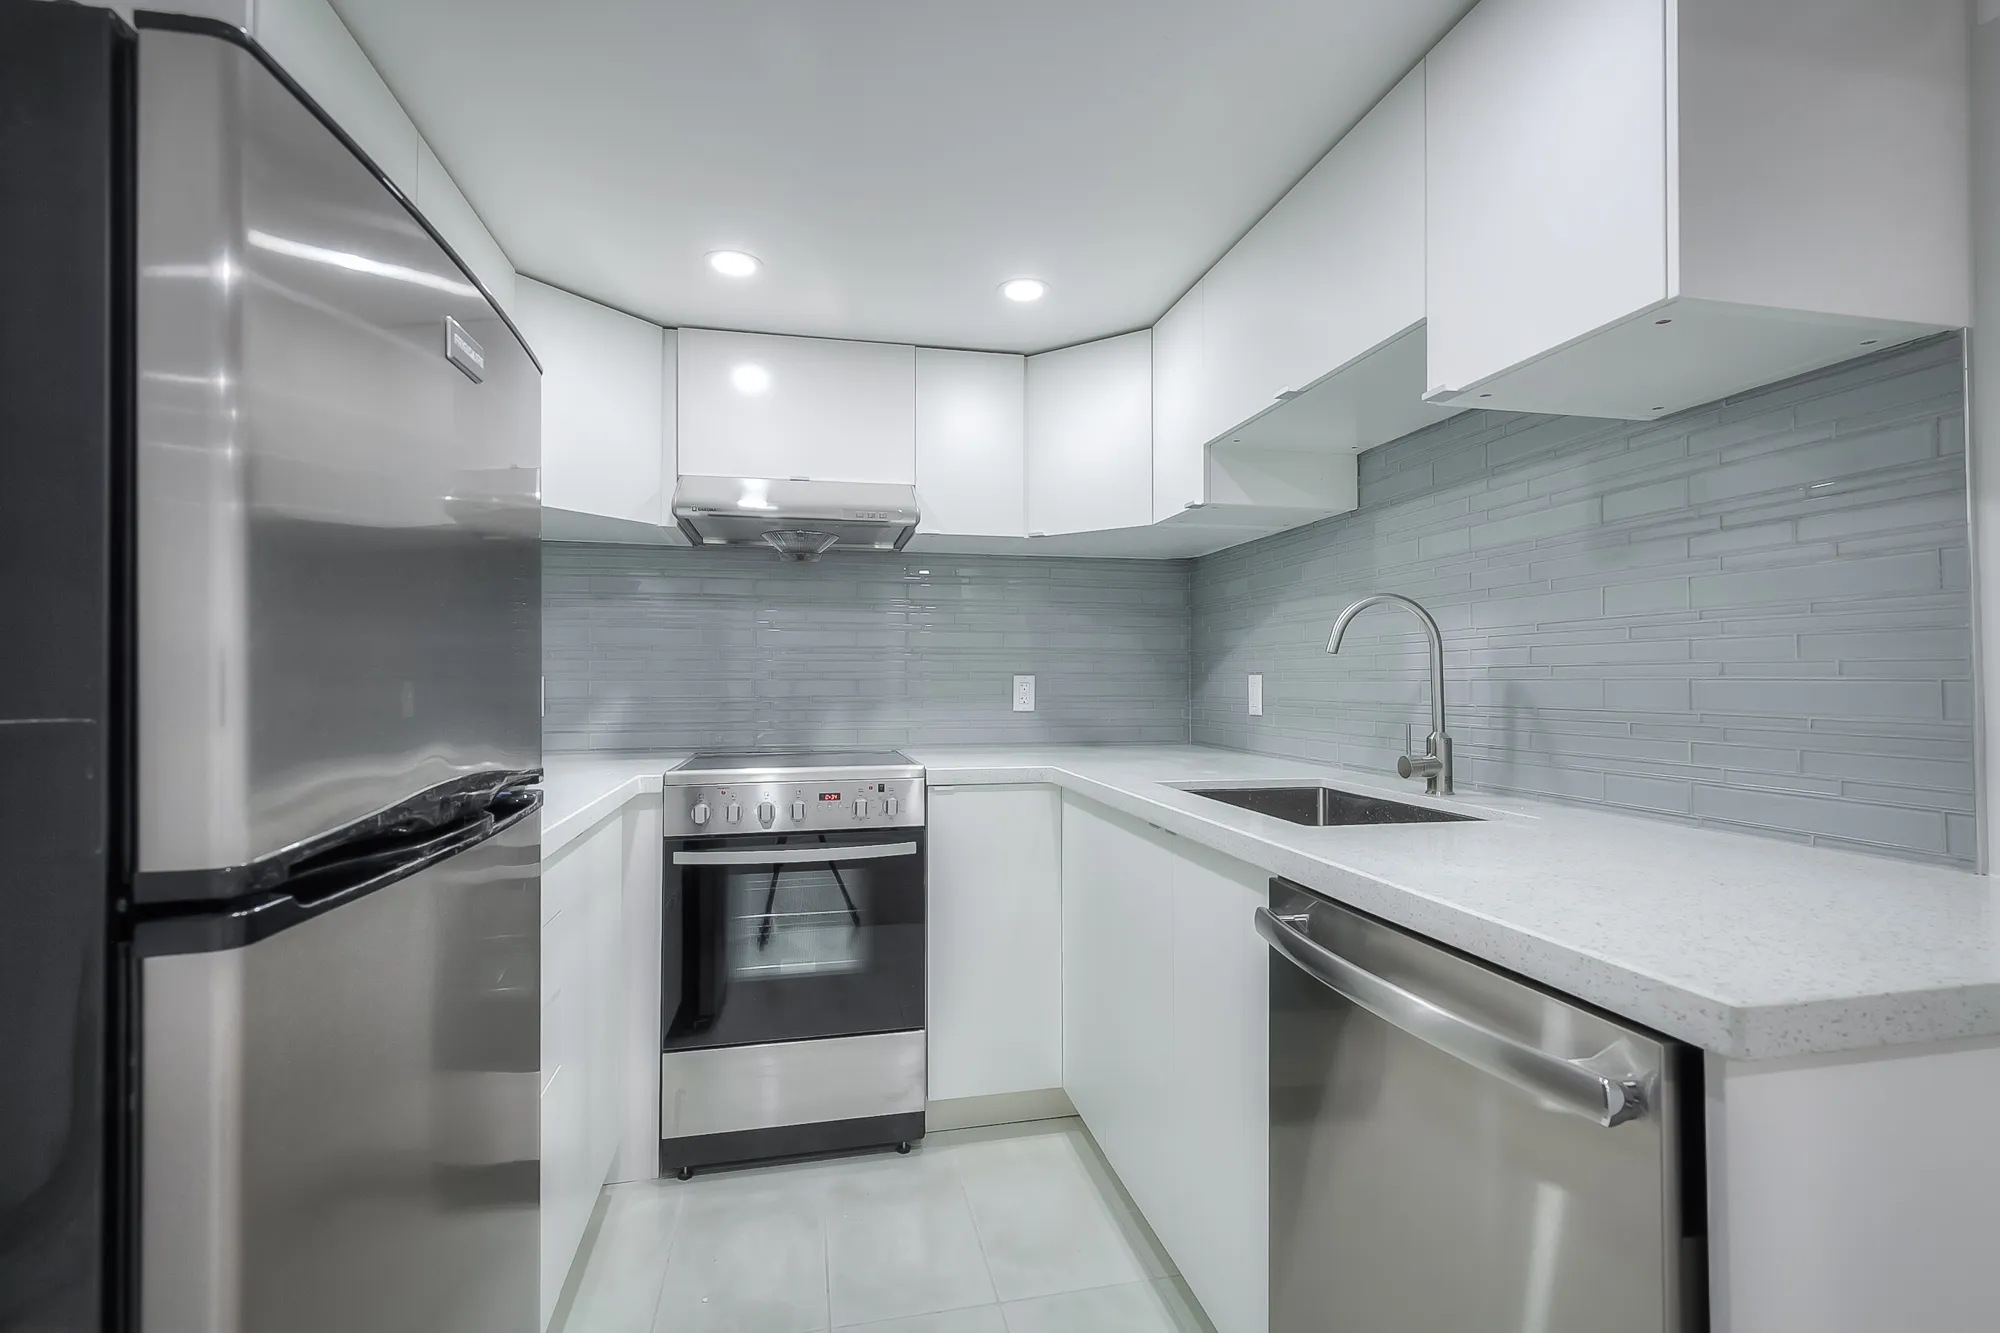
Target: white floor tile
929, 1243
747, 1258
900, 1241
1046, 1225
620, 1286
1159, 1306
979, 1319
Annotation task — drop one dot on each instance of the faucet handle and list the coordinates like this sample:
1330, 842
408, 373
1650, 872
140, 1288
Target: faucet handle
1418, 766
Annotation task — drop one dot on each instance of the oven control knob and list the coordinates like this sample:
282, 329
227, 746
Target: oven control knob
732, 812
861, 807
766, 813
699, 815
895, 807
798, 812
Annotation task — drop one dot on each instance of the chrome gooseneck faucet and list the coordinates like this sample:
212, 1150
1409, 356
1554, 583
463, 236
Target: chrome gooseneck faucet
1435, 766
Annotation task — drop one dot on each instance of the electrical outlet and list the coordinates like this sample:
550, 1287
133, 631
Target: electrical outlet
1024, 694
1256, 694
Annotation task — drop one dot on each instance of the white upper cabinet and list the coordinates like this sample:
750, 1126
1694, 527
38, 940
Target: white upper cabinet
1180, 408
309, 40
1303, 345
313, 45
972, 443
606, 424
1333, 271
446, 208
1090, 436
1635, 206
759, 405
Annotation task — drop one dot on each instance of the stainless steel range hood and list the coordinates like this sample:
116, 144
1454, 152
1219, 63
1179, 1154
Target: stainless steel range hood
799, 519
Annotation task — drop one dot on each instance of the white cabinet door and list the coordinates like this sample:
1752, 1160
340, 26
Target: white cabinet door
565, 1098
1221, 1098
1181, 407
604, 1029
1333, 271
996, 928
448, 210
309, 40
757, 405
638, 999
1118, 998
1166, 1044
603, 406
582, 891
1090, 436
972, 441
1547, 171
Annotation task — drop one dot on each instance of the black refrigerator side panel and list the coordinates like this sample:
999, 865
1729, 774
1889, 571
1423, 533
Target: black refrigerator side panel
65, 454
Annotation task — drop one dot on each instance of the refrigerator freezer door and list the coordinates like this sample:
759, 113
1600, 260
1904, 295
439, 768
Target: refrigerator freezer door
338, 544
340, 1122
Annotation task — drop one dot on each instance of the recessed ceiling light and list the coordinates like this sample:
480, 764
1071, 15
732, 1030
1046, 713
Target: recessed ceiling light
733, 263
750, 378
1024, 289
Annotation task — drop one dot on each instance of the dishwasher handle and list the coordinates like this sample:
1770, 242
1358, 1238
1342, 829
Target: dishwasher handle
1602, 1089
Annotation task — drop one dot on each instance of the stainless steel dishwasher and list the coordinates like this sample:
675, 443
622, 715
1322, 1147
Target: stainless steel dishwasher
1456, 1150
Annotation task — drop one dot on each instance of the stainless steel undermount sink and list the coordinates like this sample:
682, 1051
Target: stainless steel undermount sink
1325, 807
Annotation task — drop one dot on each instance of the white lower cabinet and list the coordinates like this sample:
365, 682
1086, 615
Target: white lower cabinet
996, 941
1221, 1086
1165, 1049
582, 912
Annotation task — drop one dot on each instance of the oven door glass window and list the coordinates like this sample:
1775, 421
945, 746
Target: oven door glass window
796, 936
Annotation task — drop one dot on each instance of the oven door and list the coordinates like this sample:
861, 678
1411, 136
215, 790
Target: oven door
794, 936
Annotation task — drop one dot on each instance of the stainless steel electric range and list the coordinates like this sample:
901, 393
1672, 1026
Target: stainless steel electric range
792, 966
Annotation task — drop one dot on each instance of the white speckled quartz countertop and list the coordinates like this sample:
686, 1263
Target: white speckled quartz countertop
579, 790
1750, 948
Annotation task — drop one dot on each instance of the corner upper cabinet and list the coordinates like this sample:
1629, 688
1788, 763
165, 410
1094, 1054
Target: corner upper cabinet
760, 405
972, 443
1090, 436
1182, 411
1636, 206
607, 421
1304, 344
1322, 301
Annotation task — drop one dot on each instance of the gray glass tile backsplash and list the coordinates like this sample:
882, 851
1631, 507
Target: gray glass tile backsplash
668, 648
1754, 614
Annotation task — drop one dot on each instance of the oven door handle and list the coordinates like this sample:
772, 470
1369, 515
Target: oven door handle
785, 856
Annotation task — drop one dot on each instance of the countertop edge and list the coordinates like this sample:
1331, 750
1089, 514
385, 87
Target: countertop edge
1864, 1025
1858, 1025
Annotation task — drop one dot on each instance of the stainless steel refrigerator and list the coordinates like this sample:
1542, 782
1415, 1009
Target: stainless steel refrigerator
269, 719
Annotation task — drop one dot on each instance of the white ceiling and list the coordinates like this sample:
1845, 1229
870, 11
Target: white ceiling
890, 161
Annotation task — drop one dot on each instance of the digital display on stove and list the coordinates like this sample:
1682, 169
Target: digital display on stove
829, 796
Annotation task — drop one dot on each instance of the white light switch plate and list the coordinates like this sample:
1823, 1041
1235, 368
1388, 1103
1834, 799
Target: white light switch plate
1024, 694
1256, 694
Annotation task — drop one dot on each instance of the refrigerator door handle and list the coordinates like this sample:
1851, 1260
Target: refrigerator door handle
1603, 1089
313, 883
